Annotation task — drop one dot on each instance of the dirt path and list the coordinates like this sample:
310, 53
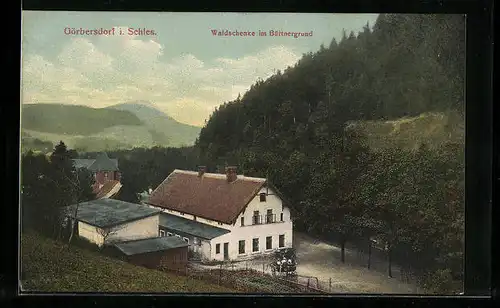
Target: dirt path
322, 260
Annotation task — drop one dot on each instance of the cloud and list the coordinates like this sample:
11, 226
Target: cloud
112, 70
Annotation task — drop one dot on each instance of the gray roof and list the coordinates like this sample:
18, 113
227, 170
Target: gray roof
83, 163
150, 245
104, 213
191, 227
101, 163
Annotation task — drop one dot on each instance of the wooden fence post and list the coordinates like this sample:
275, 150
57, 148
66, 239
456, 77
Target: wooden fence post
330, 285
220, 274
262, 268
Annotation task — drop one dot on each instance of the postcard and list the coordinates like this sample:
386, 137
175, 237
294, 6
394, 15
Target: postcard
271, 153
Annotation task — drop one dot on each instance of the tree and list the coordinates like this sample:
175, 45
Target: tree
37, 198
48, 186
107, 234
83, 190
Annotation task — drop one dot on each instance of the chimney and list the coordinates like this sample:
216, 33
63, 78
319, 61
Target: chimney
201, 170
231, 174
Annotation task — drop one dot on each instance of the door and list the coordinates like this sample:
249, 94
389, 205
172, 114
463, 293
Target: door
226, 251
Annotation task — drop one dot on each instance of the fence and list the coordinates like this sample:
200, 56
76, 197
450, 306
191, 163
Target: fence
377, 260
249, 278
299, 283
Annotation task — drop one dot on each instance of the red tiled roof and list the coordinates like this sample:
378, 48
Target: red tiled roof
106, 188
209, 196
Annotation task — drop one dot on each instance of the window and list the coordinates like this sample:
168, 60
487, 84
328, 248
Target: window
269, 216
169, 234
242, 221
256, 218
162, 233
186, 239
220, 223
282, 241
269, 242
217, 248
241, 247
255, 244
281, 217
262, 197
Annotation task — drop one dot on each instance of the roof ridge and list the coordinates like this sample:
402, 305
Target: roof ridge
220, 175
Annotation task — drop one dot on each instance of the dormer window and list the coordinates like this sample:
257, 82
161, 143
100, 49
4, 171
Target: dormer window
262, 197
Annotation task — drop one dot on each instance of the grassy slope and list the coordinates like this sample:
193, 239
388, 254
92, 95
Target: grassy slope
48, 267
431, 128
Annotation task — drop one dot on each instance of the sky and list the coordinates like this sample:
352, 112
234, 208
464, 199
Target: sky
183, 69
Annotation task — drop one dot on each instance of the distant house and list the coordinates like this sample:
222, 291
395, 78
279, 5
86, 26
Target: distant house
106, 221
222, 216
106, 174
159, 252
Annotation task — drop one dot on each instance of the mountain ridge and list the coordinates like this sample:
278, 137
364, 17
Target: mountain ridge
120, 126
179, 134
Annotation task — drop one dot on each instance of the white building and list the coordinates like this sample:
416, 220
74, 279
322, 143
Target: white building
105, 221
222, 216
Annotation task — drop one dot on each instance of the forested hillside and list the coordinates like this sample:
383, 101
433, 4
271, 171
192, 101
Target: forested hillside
292, 129
405, 66
73, 120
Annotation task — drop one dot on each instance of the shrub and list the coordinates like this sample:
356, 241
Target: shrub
440, 282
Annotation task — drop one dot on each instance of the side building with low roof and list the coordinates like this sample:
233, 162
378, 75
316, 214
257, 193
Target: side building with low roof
105, 221
156, 253
196, 234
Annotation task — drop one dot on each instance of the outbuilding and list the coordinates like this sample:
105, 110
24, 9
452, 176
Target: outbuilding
106, 221
156, 253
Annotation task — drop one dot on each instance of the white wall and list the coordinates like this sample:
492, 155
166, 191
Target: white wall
206, 250
248, 232
90, 233
138, 229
